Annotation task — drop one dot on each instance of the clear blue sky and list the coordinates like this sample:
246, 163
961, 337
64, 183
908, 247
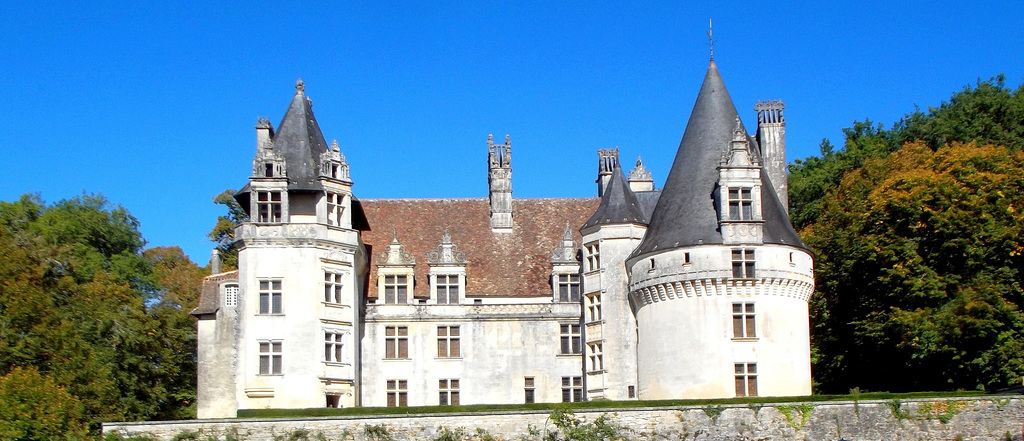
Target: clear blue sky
153, 104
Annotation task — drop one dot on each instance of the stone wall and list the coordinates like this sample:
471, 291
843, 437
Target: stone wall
987, 418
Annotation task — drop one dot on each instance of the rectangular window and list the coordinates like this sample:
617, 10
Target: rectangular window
743, 320
631, 392
231, 295
270, 358
528, 389
568, 287
448, 392
268, 206
743, 263
334, 208
332, 287
447, 286
572, 389
398, 393
740, 204
571, 340
594, 307
396, 342
396, 289
448, 342
596, 356
270, 296
746, 379
593, 257
333, 345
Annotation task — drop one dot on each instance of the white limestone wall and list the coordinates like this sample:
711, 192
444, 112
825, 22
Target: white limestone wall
215, 386
617, 328
686, 346
501, 344
297, 255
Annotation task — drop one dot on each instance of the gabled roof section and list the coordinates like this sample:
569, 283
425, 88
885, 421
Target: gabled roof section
209, 298
619, 204
302, 142
686, 213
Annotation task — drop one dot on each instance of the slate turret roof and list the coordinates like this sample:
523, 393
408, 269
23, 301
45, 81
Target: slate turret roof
686, 213
302, 142
619, 205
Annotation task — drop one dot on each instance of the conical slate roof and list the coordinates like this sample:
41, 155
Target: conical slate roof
302, 142
686, 213
619, 204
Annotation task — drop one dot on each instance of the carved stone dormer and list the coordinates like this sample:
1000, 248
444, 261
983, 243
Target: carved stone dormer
268, 162
640, 178
607, 159
447, 272
395, 273
499, 180
565, 268
333, 164
739, 179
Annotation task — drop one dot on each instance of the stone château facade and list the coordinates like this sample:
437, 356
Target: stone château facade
696, 290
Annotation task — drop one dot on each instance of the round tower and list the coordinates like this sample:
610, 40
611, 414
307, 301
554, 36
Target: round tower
720, 282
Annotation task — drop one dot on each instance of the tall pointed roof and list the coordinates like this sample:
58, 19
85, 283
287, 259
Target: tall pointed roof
300, 139
686, 213
619, 204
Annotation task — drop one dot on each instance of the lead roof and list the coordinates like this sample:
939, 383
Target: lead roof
685, 214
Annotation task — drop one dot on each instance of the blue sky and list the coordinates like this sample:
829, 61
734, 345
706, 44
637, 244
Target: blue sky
153, 104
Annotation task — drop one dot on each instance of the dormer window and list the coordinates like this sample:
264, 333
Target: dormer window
568, 288
741, 204
447, 288
268, 170
396, 289
268, 206
335, 209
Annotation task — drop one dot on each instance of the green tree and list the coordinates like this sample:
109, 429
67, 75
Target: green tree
919, 260
223, 232
33, 407
80, 303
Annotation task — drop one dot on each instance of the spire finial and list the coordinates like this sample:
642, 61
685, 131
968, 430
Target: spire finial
300, 87
711, 41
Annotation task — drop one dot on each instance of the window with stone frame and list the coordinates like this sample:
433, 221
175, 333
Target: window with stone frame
746, 379
448, 392
333, 287
594, 307
741, 204
447, 287
448, 344
596, 357
231, 295
270, 296
396, 289
333, 346
743, 263
568, 287
529, 388
396, 342
398, 393
743, 320
572, 389
271, 357
571, 339
268, 206
593, 256
335, 209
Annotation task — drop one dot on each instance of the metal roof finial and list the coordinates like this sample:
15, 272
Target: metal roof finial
300, 87
711, 41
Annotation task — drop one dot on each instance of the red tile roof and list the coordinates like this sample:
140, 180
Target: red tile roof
498, 264
209, 298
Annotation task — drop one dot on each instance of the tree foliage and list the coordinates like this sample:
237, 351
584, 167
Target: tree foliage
82, 305
33, 407
223, 232
919, 260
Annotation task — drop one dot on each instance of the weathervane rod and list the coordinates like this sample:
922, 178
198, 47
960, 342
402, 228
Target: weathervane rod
711, 41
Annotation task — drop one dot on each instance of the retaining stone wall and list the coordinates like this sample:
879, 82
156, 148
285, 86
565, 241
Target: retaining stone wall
988, 418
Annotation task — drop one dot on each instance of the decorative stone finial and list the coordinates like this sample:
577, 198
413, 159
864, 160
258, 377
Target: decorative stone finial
395, 255
300, 87
446, 253
640, 173
334, 146
566, 250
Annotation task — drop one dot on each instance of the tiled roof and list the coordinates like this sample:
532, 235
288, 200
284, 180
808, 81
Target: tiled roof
498, 264
209, 299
